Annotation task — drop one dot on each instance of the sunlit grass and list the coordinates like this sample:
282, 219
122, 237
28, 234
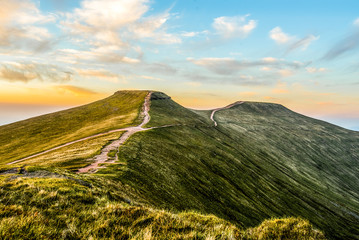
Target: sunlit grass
75, 155
21, 139
58, 208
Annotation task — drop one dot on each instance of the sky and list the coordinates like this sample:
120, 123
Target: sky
56, 54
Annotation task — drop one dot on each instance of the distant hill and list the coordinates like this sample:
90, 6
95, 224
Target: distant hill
261, 161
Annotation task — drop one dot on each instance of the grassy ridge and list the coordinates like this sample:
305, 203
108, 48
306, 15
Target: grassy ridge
316, 153
47, 204
246, 173
262, 161
23, 138
179, 115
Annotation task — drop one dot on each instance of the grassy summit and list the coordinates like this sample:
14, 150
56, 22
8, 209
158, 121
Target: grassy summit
238, 180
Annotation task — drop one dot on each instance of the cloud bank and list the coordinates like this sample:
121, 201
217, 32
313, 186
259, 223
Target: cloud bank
22, 27
26, 72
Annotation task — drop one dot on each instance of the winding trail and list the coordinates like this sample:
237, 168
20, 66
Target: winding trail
108, 148
226, 107
114, 146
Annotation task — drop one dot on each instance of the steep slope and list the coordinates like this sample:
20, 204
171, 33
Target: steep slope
317, 154
261, 161
24, 138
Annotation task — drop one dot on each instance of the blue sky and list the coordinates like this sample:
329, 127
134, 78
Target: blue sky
205, 54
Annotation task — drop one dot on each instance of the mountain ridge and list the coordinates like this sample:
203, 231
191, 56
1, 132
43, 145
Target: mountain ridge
262, 160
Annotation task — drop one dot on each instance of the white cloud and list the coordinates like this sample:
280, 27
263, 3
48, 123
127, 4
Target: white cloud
21, 26
269, 59
236, 26
189, 34
315, 70
193, 34
291, 42
119, 25
279, 36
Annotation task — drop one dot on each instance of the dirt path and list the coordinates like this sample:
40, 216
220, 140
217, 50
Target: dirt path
217, 109
114, 146
131, 130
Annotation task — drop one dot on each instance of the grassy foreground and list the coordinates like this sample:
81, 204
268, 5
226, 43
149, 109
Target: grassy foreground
43, 203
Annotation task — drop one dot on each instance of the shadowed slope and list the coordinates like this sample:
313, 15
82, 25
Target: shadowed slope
247, 172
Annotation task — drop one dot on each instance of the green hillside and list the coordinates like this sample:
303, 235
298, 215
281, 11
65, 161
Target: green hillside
262, 161
21, 139
257, 175
43, 203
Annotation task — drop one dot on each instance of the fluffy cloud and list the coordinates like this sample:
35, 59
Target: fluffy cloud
315, 70
237, 26
21, 26
291, 42
26, 72
116, 25
277, 35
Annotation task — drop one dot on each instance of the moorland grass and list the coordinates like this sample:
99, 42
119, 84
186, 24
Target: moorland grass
23, 138
257, 164
74, 156
211, 182
59, 208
